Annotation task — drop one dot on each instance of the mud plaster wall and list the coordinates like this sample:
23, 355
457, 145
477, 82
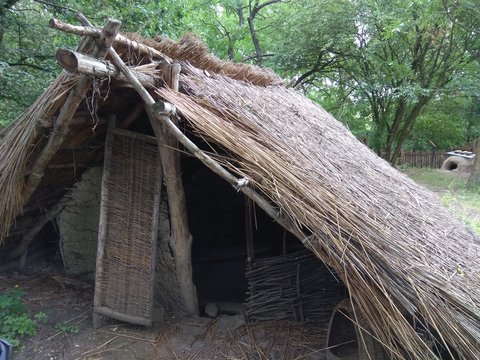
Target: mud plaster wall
166, 285
78, 224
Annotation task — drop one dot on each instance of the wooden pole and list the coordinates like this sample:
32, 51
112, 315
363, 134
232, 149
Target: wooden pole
28, 237
96, 34
60, 129
102, 224
77, 63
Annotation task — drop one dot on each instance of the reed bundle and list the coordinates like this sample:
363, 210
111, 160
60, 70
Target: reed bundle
396, 248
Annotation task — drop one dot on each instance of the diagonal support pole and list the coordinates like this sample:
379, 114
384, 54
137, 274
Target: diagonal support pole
61, 127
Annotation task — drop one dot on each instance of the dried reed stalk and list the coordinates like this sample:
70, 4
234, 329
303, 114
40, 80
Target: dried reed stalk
191, 48
396, 248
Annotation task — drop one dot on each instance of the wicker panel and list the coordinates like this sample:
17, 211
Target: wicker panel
130, 200
296, 287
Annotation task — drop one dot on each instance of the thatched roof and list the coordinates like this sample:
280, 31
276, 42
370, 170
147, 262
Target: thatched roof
401, 254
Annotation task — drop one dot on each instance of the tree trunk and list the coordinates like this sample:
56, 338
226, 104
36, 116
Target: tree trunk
256, 43
407, 128
474, 179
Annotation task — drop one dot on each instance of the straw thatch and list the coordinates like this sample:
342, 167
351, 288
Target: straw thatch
191, 48
384, 235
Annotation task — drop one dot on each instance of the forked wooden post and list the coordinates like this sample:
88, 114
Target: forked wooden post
180, 238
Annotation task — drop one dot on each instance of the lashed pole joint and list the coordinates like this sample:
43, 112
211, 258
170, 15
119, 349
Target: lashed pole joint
240, 184
96, 34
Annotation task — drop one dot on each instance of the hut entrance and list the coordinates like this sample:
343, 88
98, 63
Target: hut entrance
349, 336
217, 219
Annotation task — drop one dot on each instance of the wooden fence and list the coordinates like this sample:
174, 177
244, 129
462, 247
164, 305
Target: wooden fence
420, 159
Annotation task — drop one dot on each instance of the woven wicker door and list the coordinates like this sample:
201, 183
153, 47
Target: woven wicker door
127, 235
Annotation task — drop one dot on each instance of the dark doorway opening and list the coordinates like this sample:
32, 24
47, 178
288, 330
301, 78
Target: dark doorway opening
217, 220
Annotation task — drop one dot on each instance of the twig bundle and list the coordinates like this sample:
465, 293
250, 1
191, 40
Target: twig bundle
296, 287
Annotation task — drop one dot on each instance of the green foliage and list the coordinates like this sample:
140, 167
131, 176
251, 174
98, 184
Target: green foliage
15, 320
449, 122
67, 329
394, 56
400, 72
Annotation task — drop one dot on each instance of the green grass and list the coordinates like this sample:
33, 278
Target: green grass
462, 201
15, 319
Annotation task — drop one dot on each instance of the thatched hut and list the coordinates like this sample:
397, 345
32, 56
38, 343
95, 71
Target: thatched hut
412, 279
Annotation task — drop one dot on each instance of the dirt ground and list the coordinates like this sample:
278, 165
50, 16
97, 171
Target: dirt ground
68, 333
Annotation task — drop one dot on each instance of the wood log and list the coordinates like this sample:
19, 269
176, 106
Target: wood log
77, 63
180, 237
60, 129
96, 34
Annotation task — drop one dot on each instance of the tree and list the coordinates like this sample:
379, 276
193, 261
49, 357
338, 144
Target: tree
396, 55
26, 60
474, 179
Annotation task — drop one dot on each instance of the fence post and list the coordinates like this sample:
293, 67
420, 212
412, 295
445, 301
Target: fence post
433, 154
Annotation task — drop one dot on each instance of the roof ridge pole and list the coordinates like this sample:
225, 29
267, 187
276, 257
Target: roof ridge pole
61, 127
78, 64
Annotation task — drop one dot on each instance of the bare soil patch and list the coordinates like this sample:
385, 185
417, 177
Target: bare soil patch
68, 333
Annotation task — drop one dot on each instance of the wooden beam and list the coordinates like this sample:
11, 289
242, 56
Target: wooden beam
96, 34
60, 129
180, 237
27, 238
77, 63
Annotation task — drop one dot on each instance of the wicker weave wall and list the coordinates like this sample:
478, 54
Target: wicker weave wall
130, 200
